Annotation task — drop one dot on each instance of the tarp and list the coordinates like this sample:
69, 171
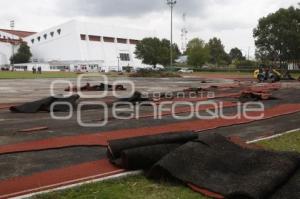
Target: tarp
213, 163
45, 105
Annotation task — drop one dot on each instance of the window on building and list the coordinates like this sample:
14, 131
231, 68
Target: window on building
124, 57
59, 31
83, 37
133, 41
95, 66
39, 38
94, 38
45, 36
109, 39
52, 34
32, 41
61, 68
122, 41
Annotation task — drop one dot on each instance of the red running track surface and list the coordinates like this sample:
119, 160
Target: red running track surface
57, 178
7, 106
100, 139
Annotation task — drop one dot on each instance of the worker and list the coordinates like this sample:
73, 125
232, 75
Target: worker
39, 70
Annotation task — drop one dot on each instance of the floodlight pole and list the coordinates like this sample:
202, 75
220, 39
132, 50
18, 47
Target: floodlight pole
12, 26
171, 3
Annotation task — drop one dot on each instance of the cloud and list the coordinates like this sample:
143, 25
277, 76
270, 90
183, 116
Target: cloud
128, 8
230, 20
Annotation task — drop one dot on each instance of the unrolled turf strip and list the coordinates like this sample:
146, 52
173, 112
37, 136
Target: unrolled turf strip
100, 139
180, 110
45, 105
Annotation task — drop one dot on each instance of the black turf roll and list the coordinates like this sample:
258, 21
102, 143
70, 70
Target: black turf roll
117, 146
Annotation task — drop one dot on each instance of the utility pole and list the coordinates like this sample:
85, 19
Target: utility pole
118, 63
171, 3
12, 26
184, 34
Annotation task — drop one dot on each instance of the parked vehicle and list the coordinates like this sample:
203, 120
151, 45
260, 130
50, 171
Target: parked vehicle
186, 70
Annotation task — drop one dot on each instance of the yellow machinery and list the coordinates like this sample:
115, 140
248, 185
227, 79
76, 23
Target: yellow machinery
265, 73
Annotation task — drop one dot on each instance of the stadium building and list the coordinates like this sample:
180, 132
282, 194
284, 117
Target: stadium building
77, 46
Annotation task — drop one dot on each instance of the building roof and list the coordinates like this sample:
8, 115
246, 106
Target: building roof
11, 41
18, 33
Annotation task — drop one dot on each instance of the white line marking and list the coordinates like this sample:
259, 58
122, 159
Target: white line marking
273, 136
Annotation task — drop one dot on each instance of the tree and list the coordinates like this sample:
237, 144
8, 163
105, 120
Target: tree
149, 51
165, 52
218, 56
23, 55
197, 52
154, 51
236, 55
277, 36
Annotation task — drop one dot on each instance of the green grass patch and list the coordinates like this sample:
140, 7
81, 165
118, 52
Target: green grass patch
296, 75
44, 75
30, 75
289, 142
138, 187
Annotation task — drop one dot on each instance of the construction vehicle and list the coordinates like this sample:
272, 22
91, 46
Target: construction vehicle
267, 74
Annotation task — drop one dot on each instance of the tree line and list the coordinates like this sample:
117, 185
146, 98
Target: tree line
277, 40
154, 51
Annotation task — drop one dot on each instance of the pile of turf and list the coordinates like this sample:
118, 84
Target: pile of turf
213, 163
44, 105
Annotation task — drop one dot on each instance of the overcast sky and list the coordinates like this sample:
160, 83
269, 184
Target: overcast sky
230, 20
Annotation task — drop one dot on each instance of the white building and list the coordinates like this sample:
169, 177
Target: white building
9, 42
293, 66
82, 46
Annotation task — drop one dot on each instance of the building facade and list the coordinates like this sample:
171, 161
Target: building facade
82, 46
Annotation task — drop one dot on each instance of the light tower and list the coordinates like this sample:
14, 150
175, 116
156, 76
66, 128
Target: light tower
12, 26
184, 34
171, 3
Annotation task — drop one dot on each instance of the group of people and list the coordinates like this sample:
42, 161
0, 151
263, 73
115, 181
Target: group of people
37, 71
